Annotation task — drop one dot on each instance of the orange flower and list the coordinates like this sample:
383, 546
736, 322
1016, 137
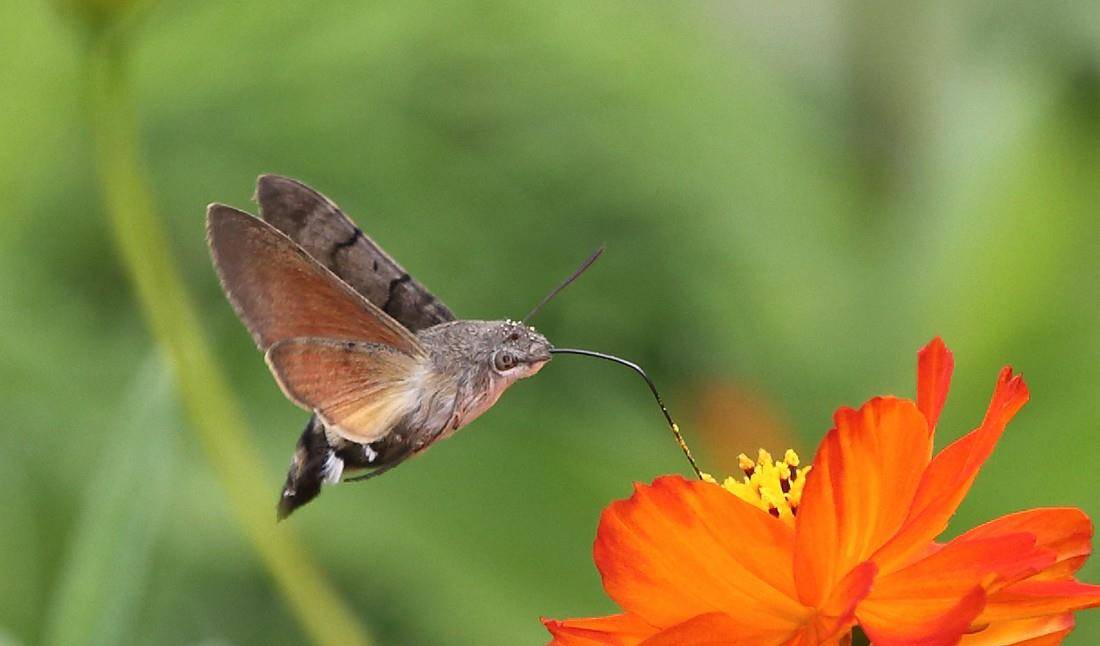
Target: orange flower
802, 555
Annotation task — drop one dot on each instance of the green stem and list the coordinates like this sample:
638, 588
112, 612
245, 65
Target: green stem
215, 415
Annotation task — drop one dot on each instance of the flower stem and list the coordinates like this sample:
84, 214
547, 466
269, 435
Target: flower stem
215, 415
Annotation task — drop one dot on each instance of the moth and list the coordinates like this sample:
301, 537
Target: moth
383, 366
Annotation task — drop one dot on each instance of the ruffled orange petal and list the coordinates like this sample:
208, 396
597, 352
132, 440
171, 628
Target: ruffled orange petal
950, 474
1039, 598
1041, 631
935, 364
678, 549
864, 477
1065, 531
934, 599
939, 620
837, 615
615, 630
715, 629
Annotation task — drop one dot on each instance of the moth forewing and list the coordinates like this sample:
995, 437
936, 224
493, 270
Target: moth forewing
281, 293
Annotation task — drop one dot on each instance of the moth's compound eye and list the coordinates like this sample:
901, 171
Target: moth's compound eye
504, 360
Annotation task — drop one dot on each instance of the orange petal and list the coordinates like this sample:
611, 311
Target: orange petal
837, 615
864, 477
960, 565
952, 471
934, 599
615, 630
935, 364
1065, 531
679, 549
1038, 598
1040, 631
920, 622
839, 611
716, 629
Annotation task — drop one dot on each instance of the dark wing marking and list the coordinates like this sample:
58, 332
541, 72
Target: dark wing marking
327, 234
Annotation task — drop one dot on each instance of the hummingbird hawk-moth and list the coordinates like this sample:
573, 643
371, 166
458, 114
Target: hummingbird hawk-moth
385, 368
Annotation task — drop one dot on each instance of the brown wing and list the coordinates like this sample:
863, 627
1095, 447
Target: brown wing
359, 390
327, 234
281, 293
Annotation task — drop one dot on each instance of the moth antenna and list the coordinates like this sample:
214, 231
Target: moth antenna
574, 276
652, 388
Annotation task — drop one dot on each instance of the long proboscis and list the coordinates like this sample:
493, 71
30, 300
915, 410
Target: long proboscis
675, 428
565, 283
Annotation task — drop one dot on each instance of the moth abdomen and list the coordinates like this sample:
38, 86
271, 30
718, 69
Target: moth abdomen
311, 466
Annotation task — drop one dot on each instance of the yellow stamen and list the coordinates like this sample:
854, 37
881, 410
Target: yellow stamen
746, 463
775, 487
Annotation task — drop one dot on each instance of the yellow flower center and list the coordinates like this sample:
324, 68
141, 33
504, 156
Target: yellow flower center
774, 486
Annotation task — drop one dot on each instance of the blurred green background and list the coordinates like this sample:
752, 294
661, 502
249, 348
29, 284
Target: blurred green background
795, 197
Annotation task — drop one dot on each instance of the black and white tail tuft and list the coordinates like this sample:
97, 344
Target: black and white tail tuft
314, 464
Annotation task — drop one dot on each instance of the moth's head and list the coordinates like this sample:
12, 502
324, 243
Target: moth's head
516, 350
